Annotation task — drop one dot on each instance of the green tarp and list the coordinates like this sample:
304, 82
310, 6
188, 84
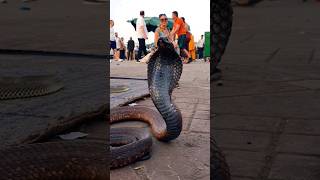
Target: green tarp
207, 44
151, 22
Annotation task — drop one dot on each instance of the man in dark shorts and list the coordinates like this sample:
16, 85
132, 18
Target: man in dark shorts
179, 29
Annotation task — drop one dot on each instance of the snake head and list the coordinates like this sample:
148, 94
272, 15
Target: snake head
165, 44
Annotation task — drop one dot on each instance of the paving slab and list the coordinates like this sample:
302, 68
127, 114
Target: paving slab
302, 126
83, 96
64, 26
289, 104
295, 167
245, 162
270, 92
302, 144
246, 140
187, 157
137, 89
245, 123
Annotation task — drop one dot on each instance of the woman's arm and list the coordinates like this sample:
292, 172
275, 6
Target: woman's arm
156, 37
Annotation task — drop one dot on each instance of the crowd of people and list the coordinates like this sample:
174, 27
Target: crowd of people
180, 36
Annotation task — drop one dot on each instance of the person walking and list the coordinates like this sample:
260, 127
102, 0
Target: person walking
180, 29
122, 50
117, 50
130, 48
188, 33
186, 25
188, 40
142, 34
200, 46
192, 49
113, 45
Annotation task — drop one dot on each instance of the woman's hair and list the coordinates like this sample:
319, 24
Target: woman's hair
162, 15
183, 19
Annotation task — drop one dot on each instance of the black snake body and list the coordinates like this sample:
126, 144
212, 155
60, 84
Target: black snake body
164, 71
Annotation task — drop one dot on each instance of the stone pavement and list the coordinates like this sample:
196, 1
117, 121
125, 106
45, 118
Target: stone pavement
83, 96
187, 157
65, 26
267, 113
137, 90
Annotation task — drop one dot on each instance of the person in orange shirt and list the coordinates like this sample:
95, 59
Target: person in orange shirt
192, 49
180, 29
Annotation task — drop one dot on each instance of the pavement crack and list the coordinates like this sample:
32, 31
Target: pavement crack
267, 116
262, 94
247, 38
272, 55
311, 57
271, 150
243, 130
25, 115
192, 116
51, 53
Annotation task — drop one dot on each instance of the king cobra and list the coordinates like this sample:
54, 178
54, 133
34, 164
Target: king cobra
164, 71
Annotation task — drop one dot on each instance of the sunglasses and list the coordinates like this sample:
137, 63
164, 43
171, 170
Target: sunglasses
164, 19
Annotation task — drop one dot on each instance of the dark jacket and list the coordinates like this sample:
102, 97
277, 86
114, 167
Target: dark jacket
130, 45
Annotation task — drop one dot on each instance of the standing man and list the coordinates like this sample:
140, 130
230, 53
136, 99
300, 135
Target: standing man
122, 50
179, 29
130, 47
142, 34
117, 51
113, 45
200, 46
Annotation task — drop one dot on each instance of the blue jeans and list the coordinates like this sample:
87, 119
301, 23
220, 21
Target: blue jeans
200, 52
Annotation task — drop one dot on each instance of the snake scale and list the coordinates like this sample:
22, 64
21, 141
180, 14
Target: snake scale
28, 86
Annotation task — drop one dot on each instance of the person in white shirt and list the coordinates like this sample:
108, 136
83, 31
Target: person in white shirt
117, 50
112, 36
200, 46
142, 34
